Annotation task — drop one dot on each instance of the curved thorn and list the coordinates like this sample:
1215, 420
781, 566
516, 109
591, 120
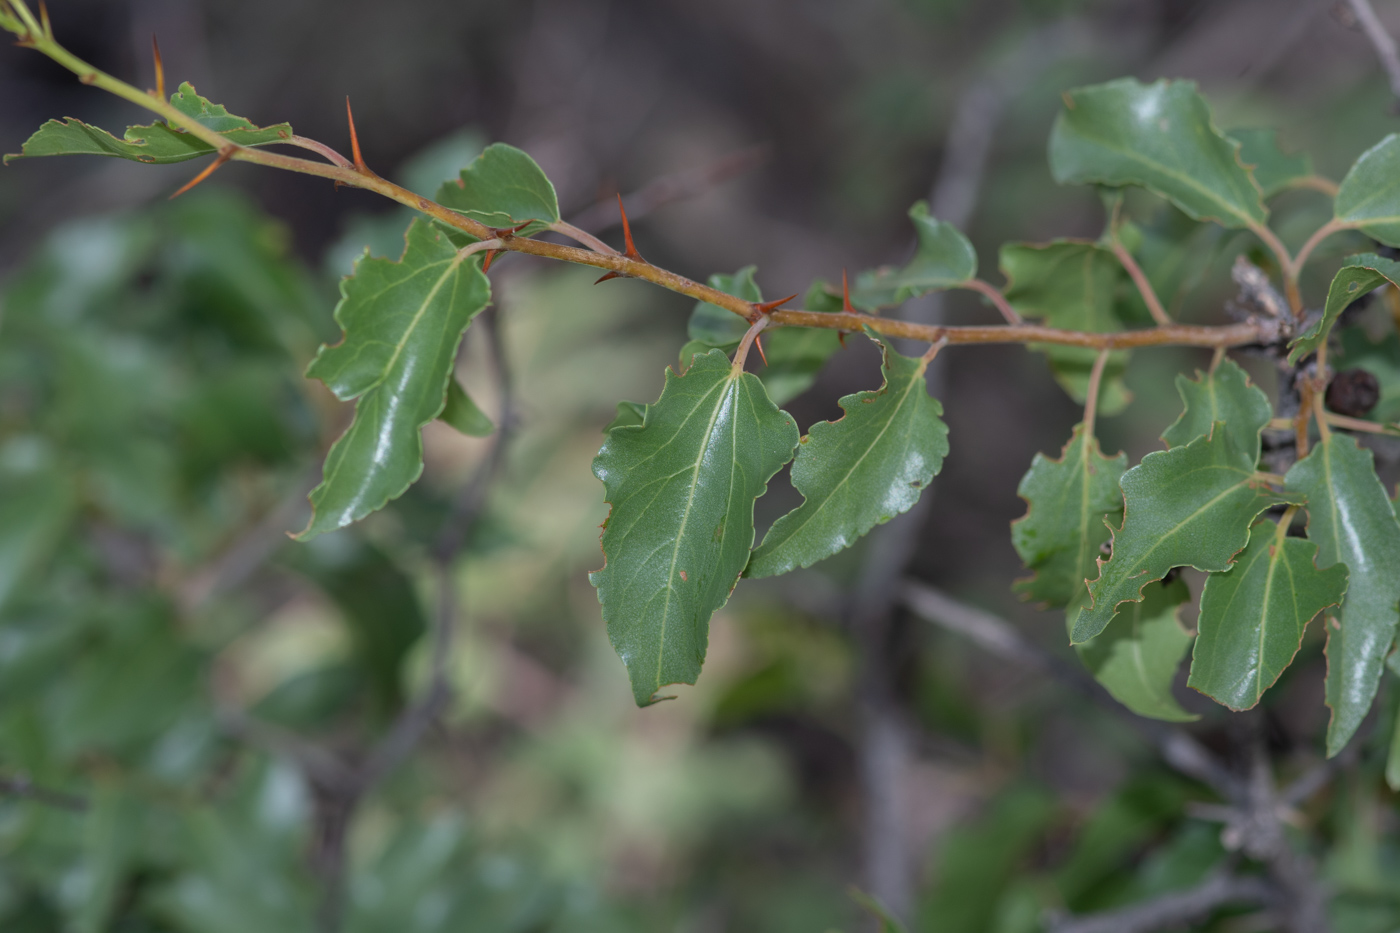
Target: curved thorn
160, 68
846, 294
767, 307
631, 251
355, 141
758, 342
610, 275
486, 260
224, 155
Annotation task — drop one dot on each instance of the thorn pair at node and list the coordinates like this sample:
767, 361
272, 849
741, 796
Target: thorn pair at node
501, 233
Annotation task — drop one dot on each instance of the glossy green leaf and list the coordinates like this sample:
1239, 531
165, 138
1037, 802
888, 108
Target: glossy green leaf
1188, 506
1071, 284
1369, 197
1392, 760
1253, 615
1161, 137
157, 143
1274, 171
1351, 520
1136, 657
1068, 502
629, 415
402, 321
502, 187
794, 354
1224, 395
860, 470
1355, 279
944, 258
682, 488
463, 414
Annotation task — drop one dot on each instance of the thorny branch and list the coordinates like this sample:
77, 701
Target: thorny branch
1254, 813
356, 174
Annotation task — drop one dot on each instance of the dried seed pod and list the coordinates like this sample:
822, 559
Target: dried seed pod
1353, 392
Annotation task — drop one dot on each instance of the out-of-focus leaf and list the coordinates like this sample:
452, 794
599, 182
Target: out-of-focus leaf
1136, 657
719, 327
629, 415
1190, 505
1382, 360
1392, 760
1068, 503
1174, 252
1223, 395
463, 414
976, 863
794, 354
1159, 136
872, 905
502, 187
1070, 284
682, 489
378, 602
944, 259
1273, 169
403, 321
311, 699
1369, 197
1114, 831
1253, 615
157, 143
35, 508
860, 470
1359, 276
1350, 518
111, 833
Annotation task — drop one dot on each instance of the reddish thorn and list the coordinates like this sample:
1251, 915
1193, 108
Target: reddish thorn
502, 232
486, 263
160, 68
355, 141
758, 342
841, 336
224, 156
846, 294
631, 252
610, 275
768, 307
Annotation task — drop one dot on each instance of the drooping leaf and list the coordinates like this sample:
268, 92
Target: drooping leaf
1064, 526
1350, 518
402, 321
1369, 197
1136, 657
1188, 506
944, 259
794, 354
1224, 395
1253, 615
682, 488
157, 143
1356, 278
502, 187
629, 415
1273, 169
1071, 284
1161, 137
1379, 358
464, 414
859, 471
